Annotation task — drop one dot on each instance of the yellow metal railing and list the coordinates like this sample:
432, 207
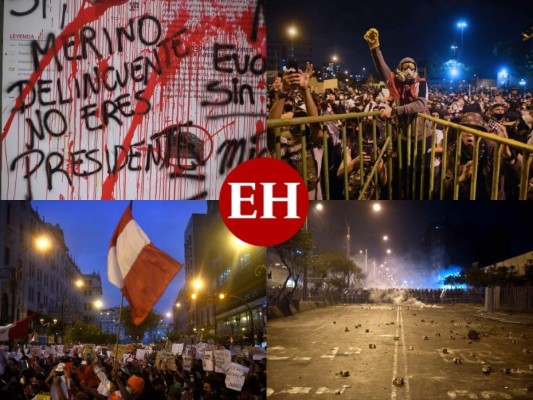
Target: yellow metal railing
410, 169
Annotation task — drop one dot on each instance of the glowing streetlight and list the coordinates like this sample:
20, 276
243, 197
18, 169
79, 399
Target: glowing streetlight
319, 207
385, 238
376, 207
193, 296
178, 304
197, 284
389, 251
98, 304
292, 31
334, 58
78, 283
454, 48
461, 25
168, 314
43, 243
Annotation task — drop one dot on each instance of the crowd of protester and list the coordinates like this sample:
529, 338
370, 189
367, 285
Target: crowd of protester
26, 375
505, 113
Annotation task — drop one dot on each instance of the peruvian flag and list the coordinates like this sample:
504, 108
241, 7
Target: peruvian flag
16, 329
139, 269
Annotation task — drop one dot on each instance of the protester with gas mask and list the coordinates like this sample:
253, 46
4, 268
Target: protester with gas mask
410, 94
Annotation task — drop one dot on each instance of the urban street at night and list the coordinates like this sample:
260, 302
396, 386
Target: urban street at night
150, 296
329, 350
386, 100
403, 300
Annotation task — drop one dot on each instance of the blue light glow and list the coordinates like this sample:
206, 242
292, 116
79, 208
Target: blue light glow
444, 273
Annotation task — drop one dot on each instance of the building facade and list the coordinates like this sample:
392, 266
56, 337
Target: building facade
225, 286
43, 282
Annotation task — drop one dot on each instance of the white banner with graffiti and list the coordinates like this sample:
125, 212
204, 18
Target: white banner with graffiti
118, 99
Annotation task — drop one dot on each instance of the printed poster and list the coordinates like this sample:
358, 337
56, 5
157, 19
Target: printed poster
118, 99
235, 376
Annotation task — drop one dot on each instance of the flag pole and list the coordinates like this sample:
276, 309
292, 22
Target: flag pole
118, 329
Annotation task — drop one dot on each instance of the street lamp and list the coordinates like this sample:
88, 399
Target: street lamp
292, 31
319, 207
376, 207
78, 283
222, 296
41, 243
461, 25
454, 48
169, 316
366, 260
385, 238
193, 298
197, 284
46, 326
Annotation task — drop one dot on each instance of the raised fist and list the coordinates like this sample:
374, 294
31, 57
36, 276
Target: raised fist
372, 38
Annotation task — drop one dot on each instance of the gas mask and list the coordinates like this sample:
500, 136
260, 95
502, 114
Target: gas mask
407, 71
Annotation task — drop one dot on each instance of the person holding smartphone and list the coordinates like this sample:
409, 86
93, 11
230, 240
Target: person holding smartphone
295, 87
59, 383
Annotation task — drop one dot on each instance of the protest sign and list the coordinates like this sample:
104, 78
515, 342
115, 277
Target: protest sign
235, 376
207, 361
177, 348
187, 362
222, 360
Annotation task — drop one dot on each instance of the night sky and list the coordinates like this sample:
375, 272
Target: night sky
405, 223
424, 29
89, 225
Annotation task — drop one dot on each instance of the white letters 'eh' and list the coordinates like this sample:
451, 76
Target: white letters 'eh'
268, 200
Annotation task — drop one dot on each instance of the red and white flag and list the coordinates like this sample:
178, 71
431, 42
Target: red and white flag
16, 329
139, 269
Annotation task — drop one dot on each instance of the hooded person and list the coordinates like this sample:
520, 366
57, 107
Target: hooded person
409, 91
411, 96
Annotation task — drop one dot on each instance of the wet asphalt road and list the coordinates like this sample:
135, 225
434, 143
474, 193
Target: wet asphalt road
308, 351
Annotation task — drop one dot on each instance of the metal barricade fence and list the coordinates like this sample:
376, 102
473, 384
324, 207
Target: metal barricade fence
408, 161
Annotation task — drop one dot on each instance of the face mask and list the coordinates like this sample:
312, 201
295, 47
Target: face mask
498, 116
